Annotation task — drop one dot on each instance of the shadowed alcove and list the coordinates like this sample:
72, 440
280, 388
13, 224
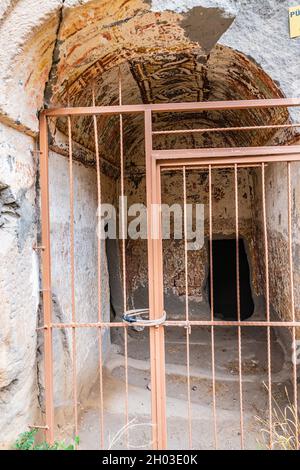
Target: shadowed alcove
176, 77
167, 74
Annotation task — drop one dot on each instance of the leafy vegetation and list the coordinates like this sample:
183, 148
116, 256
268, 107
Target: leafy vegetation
27, 441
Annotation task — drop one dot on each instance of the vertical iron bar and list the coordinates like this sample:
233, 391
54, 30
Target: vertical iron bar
99, 272
267, 301
46, 279
213, 364
124, 263
239, 302
72, 256
291, 265
188, 328
155, 286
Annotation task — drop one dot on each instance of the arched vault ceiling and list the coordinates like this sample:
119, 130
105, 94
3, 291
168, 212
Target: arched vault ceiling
162, 57
97, 35
56, 50
183, 76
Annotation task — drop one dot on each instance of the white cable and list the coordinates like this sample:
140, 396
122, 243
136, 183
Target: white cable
130, 318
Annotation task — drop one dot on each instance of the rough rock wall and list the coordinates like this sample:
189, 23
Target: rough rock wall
19, 283
85, 277
276, 184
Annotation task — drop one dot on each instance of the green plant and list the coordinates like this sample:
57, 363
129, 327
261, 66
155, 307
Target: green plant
27, 441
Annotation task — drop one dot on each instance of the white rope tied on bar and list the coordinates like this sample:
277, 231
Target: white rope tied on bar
134, 318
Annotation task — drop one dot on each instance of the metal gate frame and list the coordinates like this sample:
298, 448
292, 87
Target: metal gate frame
157, 161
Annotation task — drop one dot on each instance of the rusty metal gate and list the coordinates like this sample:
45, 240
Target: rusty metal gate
156, 162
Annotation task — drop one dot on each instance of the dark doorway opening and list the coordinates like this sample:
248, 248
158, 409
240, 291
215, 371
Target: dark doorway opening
225, 281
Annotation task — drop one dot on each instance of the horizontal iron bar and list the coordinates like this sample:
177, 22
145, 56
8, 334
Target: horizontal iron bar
218, 167
174, 107
226, 152
225, 129
183, 323
216, 162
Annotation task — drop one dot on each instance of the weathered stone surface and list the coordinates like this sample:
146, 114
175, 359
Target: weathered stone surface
203, 21
85, 278
19, 280
229, 7
261, 31
278, 232
28, 33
